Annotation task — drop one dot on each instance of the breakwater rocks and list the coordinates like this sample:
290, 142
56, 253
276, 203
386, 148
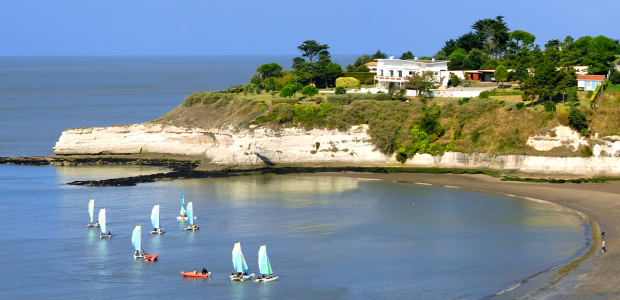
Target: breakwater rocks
174, 164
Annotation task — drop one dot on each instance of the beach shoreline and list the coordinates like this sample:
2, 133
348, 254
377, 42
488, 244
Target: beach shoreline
592, 275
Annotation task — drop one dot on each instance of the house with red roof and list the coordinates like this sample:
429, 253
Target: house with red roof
372, 66
589, 82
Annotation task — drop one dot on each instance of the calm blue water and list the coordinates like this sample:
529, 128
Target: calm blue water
327, 237
42, 96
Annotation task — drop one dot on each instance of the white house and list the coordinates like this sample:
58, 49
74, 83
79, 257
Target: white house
589, 82
396, 72
372, 66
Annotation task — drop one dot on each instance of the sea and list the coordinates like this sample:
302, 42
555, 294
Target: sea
327, 237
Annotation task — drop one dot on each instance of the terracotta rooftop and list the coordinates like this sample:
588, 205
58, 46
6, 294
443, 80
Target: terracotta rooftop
591, 77
372, 63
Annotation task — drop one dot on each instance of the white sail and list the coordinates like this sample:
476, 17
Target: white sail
155, 216
102, 221
263, 261
136, 238
91, 209
190, 214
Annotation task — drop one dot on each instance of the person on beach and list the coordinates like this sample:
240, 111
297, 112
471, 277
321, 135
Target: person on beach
603, 245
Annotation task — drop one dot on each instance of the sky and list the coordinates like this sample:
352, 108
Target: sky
233, 27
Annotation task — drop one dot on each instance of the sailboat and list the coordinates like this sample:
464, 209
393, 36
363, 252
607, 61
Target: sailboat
102, 221
91, 212
155, 220
240, 266
136, 240
183, 213
190, 217
266, 273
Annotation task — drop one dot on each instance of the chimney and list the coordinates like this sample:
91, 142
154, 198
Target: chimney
415, 58
433, 60
391, 57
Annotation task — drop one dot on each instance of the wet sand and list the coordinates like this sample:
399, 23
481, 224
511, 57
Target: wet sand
595, 275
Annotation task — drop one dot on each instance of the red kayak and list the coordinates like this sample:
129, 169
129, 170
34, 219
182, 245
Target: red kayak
191, 274
152, 257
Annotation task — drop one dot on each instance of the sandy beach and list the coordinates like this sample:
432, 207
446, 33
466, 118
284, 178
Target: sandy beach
593, 276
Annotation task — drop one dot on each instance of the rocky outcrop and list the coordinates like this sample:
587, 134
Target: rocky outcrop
259, 147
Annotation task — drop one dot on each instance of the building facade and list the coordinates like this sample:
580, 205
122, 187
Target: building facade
589, 82
396, 72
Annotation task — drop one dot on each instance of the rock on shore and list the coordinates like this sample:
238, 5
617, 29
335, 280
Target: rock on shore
258, 147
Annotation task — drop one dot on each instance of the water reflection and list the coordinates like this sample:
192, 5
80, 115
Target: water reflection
66, 174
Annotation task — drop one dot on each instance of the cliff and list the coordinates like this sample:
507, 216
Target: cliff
260, 146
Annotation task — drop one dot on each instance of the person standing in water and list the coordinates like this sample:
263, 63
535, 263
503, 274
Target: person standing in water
604, 246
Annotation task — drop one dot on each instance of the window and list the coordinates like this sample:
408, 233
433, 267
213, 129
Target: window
410, 73
391, 72
400, 73
381, 72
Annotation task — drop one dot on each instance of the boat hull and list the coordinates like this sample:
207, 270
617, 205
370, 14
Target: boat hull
183, 218
152, 257
235, 278
137, 256
267, 279
105, 236
193, 229
191, 274
158, 232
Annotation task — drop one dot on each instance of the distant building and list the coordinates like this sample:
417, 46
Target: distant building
589, 82
372, 66
396, 72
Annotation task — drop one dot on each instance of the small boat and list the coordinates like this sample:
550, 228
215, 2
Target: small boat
91, 212
183, 213
266, 273
102, 221
240, 266
190, 215
155, 221
136, 240
152, 257
191, 274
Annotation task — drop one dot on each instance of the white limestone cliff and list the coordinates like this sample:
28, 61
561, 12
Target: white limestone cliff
258, 146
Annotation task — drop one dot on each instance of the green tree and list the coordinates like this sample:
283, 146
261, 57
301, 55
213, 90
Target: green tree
501, 74
522, 38
295, 87
287, 92
549, 106
379, 55
309, 91
269, 84
407, 55
325, 71
456, 59
269, 70
362, 69
577, 119
455, 80
312, 50
474, 60
422, 82
467, 41
566, 82
494, 34
360, 61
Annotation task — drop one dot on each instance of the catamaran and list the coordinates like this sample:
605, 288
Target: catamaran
155, 221
241, 268
91, 212
266, 273
136, 240
103, 226
183, 212
190, 217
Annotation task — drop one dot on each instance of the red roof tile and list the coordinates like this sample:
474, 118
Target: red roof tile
591, 77
372, 63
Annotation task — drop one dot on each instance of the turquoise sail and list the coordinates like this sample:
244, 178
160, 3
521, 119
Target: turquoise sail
238, 260
155, 216
102, 221
263, 261
91, 209
136, 238
190, 214
183, 212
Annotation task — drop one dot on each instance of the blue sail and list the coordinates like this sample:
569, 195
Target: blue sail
155, 216
190, 214
136, 238
102, 221
91, 209
238, 260
183, 212
263, 261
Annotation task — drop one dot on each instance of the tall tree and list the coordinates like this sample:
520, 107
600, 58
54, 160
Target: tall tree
474, 60
456, 59
269, 70
494, 33
522, 38
312, 50
379, 55
407, 55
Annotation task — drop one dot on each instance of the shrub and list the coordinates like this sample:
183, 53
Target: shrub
463, 101
520, 105
285, 113
347, 82
549, 106
318, 100
340, 90
615, 77
284, 101
475, 136
455, 80
577, 119
309, 91
484, 95
587, 152
287, 92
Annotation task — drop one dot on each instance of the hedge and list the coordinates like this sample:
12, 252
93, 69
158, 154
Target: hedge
286, 101
347, 82
363, 77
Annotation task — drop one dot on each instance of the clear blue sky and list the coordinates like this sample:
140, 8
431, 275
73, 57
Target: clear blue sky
190, 27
